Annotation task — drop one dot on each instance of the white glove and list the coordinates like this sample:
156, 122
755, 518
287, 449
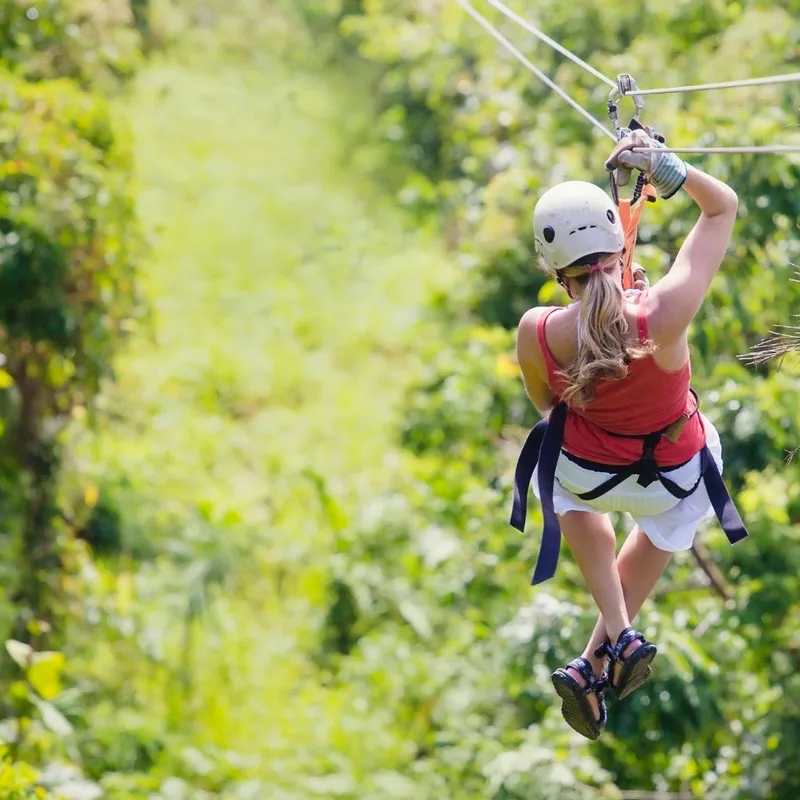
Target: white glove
665, 171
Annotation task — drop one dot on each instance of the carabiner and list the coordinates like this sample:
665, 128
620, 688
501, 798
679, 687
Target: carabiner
625, 85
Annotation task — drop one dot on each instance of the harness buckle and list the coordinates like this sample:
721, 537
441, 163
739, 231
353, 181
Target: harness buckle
647, 466
673, 433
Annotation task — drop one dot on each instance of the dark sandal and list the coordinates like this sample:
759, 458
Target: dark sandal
575, 707
635, 667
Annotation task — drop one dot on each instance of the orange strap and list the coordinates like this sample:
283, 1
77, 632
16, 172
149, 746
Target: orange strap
629, 215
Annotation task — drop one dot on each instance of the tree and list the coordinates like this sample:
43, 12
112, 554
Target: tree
67, 297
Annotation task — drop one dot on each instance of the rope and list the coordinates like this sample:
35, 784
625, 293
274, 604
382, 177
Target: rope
791, 77
503, 9
770, 148
489, 28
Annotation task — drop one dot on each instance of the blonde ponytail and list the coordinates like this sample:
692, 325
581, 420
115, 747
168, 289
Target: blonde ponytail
602, 329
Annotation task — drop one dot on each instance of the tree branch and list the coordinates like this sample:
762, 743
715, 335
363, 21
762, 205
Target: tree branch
712, 571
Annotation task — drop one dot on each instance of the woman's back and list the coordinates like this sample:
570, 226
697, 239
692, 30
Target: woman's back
654, 394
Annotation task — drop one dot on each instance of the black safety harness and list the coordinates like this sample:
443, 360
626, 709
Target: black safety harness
544, 447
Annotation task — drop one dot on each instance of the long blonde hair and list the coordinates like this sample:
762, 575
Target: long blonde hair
602, 331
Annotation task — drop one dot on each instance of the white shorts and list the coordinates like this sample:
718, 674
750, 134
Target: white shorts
669, 523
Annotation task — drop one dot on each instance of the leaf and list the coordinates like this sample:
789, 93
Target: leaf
80, 790
333, 511
548, 292
687, 652
416, 617
90, 495
390, 783
44, 673
5, 380
506, 366
52, 718
20, 652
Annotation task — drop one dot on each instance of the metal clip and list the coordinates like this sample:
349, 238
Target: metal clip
625, 85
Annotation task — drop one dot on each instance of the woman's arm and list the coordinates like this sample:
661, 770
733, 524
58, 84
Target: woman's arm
677, 297
531, 363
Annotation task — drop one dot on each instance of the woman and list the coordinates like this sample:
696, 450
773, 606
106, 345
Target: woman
623, 432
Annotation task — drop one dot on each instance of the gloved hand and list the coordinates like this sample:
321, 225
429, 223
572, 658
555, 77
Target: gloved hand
665, 171
622, 175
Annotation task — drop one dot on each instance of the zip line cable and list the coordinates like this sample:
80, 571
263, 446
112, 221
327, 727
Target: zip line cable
792, 77
767, 148
489, 28
789, 77
506, 11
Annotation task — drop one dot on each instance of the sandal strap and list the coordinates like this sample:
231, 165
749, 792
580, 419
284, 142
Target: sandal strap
628, 636
593, 684
584, 667
605, 650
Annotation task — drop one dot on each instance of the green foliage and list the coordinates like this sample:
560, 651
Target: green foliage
18, 782
33, 695
483, 138
94, 42
284, 555
68, 244
67, 282
66, 218
468, 396
34, 731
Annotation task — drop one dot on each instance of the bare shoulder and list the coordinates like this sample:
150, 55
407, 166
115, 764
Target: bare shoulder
528, 330
529, 322
529, 351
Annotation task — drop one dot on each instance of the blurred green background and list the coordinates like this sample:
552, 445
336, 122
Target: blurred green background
260, 268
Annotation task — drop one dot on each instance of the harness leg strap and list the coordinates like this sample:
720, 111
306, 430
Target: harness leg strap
543, 447
729, 518
548, 459
526, 464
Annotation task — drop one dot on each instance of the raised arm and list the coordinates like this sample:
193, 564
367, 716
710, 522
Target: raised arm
677, 297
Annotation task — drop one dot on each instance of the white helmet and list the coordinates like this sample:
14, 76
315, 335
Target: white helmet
573, 220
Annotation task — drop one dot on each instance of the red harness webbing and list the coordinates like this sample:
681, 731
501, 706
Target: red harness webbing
630, 211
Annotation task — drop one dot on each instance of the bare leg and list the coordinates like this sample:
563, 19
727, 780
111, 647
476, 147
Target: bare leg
593, 543
640, 565
635, 573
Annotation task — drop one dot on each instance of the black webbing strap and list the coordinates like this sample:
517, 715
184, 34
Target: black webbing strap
543, 447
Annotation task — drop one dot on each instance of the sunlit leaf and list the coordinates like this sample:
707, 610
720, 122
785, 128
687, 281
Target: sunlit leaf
20, 652
52, 718
44, 673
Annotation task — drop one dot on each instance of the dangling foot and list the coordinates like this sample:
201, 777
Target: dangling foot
581, 693
628, 662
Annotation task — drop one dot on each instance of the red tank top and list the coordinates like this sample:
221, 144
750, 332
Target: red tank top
647, 399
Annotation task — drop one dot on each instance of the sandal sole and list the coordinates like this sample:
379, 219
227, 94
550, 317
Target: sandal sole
575, 709
639, 672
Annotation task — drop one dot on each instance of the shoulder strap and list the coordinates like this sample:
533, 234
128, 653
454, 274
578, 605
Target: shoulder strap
552, 366
629, 214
